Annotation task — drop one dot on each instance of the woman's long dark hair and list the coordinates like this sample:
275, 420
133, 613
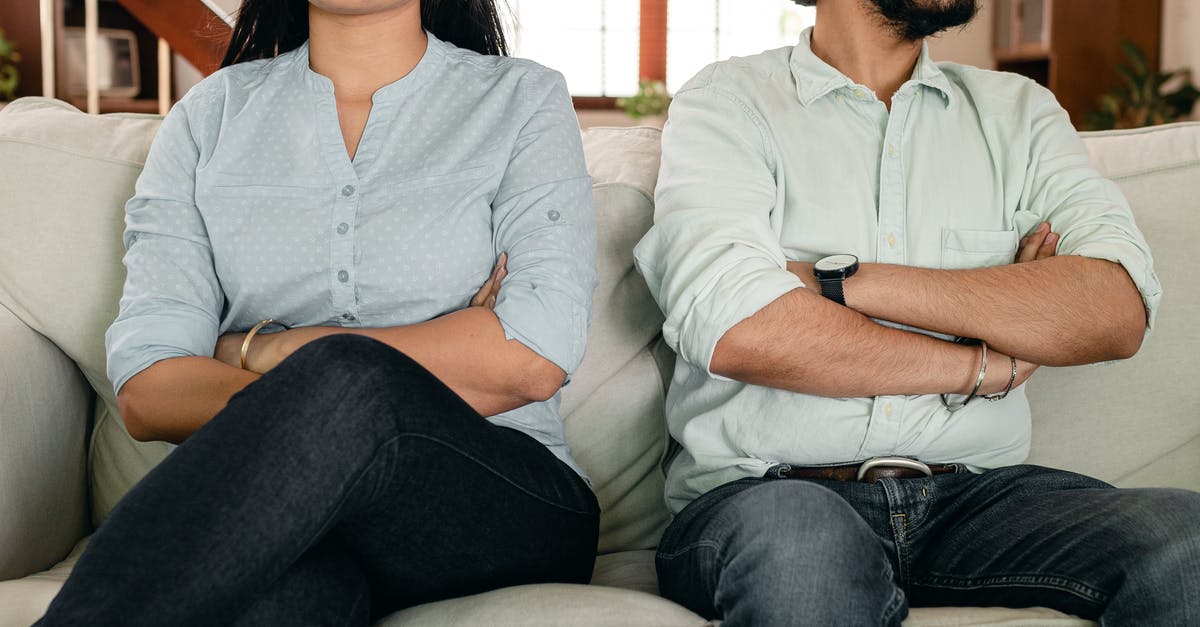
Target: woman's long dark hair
267, 28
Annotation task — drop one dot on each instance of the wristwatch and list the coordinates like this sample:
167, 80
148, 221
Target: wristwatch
831, 271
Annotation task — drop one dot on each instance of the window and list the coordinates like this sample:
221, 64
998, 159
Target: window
594, 43
700, 32
604, 46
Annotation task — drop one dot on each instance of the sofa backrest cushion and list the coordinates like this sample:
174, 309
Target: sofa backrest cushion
613, 406
1137, 423
66, 177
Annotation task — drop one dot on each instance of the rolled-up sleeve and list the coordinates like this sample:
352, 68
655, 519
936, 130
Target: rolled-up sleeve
1088, 211
543, 217
172, 300
712, 258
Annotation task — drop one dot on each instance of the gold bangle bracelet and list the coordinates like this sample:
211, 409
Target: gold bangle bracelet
249, 336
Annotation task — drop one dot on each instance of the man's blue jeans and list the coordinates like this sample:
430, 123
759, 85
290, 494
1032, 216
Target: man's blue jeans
345, 483
764, 551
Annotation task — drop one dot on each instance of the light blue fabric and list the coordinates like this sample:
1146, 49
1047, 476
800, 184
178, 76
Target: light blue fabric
779, 157
250, 208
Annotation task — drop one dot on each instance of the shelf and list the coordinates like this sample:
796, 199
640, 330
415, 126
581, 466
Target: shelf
1022, 55
119, 105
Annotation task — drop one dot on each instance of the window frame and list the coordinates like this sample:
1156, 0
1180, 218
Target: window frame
652, 54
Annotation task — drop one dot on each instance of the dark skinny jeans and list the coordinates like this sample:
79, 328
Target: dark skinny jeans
346, 483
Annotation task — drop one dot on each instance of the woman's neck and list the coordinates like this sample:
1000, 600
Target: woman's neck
361, 53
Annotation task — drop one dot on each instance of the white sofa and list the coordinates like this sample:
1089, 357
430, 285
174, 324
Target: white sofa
65, 458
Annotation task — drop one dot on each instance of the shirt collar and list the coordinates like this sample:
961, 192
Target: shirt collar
816, 79
435, 53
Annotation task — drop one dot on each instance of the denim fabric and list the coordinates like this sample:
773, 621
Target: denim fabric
763, 551
346, 483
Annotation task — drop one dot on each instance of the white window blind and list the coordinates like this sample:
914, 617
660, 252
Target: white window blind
700, 32
594, 43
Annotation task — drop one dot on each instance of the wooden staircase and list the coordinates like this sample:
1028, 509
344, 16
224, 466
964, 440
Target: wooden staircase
190, 27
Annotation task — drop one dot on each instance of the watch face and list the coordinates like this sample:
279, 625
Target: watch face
834, 263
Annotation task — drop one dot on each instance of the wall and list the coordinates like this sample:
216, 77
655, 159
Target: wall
971, 45
1181, 38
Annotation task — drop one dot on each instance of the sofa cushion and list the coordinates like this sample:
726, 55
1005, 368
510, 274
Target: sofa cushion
43, 454
1138, 422
613, 406
66, 177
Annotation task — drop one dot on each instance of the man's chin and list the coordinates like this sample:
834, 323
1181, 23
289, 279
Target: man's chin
918, 19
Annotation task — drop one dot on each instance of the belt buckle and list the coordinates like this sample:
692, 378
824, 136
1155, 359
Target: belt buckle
901, 462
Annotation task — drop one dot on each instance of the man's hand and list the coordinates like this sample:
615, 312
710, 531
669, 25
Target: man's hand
1040, 244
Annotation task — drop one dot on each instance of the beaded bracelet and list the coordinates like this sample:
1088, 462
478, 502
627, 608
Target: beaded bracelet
978, 380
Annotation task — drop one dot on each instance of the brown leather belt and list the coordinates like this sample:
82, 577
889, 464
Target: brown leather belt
876, 470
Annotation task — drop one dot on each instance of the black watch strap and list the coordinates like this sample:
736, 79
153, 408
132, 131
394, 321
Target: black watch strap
832, 289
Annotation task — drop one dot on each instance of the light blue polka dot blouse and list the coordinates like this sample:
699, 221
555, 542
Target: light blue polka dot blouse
250, 208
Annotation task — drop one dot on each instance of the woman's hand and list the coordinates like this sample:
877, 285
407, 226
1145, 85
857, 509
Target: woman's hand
229, 349
486, 296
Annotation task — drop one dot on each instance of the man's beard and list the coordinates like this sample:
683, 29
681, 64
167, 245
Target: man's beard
918, 19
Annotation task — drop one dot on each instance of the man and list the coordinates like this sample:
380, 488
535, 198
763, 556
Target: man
835, 468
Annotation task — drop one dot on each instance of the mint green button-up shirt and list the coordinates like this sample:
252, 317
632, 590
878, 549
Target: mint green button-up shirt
780, 157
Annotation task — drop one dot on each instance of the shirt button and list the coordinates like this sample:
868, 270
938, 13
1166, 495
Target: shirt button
892, 240
348, 190
343, 276
887, 409
553, 215
841, 99
347, 316
891, 150
342, 228
860, 94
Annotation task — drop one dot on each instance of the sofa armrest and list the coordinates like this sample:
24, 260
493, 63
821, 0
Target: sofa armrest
44, 404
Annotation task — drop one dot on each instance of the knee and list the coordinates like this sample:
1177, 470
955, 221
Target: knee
343, 352
344, 379
351, 364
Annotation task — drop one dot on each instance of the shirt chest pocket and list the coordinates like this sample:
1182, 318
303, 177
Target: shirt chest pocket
974, 248
240, 197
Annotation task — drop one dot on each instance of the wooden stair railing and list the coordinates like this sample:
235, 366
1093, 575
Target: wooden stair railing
190, 27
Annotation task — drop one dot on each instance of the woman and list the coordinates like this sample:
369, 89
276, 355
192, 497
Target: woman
353, 175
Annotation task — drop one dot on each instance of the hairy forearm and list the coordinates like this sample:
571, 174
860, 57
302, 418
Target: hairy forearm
466, 350
173, 398
804, 343
1058, 311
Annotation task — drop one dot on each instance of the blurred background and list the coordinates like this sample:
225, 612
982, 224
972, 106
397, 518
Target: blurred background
1111, 63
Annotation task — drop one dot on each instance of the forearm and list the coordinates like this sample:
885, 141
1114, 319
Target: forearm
1058, 311
804, 343
173, 398
466, 350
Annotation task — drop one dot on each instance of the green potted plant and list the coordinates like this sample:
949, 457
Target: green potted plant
10, 77
651, 100
1141, 101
